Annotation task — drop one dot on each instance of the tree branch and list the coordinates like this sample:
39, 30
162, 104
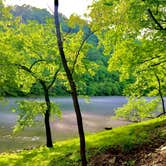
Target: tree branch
80, 48
147, 60
68, 91
27, 70
40, 60
54, 77
156, 64
155, 20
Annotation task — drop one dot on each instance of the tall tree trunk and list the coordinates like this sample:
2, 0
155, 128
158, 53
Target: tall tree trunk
72, 85
47, 116
160, 93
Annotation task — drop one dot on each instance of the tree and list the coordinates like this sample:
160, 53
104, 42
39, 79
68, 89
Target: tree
134, 32
72, 85
138, 109
30, 50
6, 74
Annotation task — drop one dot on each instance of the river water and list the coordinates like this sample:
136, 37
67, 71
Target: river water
96, 113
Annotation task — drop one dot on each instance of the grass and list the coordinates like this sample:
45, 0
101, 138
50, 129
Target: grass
66, 153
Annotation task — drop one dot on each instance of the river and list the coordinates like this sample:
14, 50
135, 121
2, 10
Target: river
96, 113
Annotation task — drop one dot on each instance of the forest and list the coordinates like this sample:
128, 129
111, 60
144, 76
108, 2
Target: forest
102, 82
117, 49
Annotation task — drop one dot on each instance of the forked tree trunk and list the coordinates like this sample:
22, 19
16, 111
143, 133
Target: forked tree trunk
72, 85
47, 117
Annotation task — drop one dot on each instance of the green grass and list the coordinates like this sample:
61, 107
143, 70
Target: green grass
66, 153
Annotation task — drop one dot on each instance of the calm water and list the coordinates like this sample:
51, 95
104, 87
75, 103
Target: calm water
96, 116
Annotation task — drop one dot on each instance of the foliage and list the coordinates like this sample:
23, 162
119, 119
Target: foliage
29, 111
135, 62
133, 33
66, 152
114, 34
91, 55
28, 13
138, 109
8, 86
30, 50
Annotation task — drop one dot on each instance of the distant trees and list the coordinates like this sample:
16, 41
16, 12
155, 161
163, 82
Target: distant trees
27, 13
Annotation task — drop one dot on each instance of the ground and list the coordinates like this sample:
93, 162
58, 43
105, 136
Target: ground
138, 144
150, 154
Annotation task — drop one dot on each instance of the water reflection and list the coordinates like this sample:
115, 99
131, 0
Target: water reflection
96, 116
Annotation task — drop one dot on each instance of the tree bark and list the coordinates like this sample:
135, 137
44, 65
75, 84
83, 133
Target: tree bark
160, 93
72, 85
47, 116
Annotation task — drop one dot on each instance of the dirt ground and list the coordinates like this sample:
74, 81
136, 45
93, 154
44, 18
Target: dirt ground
152, 154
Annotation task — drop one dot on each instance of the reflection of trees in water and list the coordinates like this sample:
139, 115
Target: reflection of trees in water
97, 110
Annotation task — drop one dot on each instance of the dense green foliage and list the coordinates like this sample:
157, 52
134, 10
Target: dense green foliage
28, 111
138, 109
134, 32
102, 82
7, 83
136, 36
66, 152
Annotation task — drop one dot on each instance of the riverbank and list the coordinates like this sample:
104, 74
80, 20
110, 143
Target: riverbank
123, 140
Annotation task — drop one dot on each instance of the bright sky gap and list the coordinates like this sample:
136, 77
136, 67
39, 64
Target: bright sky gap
67, 7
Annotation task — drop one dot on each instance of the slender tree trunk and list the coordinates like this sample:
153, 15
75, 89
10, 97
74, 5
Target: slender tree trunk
160, 93
47, 116
162, 100
72, 85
